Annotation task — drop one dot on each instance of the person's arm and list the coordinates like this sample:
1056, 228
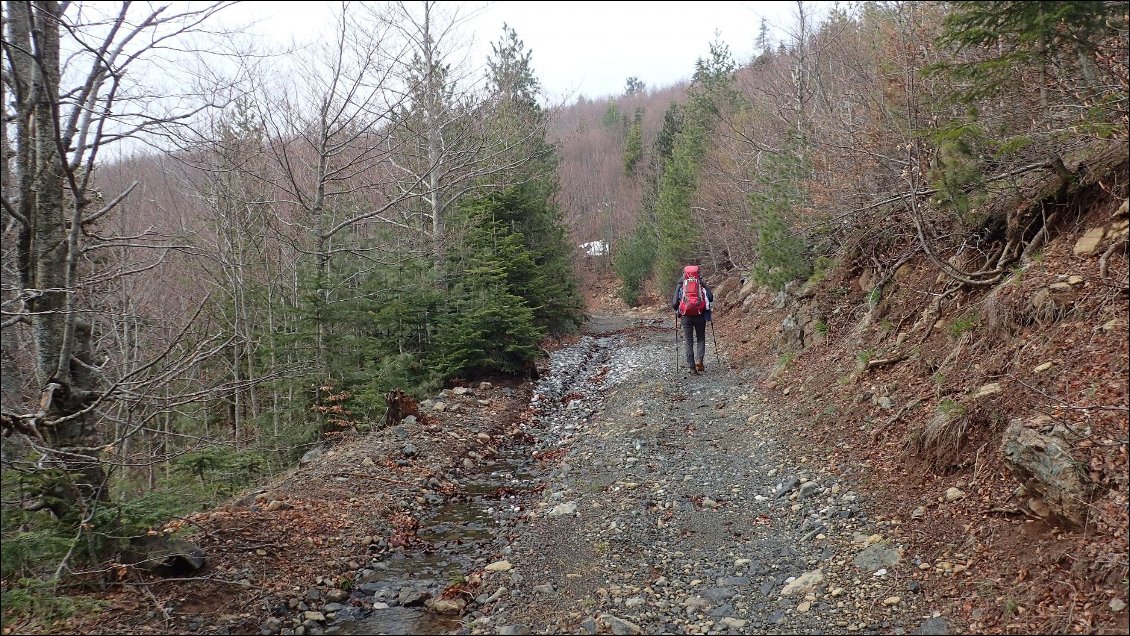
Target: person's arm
675, 298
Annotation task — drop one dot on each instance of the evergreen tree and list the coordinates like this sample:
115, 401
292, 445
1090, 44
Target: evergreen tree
680, 237
633, 144
635, 258
762, 44
510, 71
778, 193
487, 329
1039, 34
527, 207
490, 322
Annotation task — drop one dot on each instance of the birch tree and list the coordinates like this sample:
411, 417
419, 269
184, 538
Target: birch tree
78, 79
448, 140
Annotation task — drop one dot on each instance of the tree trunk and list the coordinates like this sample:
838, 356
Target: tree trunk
49, 263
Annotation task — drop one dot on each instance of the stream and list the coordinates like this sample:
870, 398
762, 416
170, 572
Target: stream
463, 532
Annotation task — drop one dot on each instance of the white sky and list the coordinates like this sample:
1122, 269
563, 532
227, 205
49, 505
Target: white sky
585, 48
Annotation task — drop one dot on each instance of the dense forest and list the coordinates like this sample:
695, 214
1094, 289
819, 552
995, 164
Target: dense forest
180, 321
216, 256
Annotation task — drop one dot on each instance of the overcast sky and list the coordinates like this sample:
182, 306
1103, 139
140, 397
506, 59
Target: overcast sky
586, 48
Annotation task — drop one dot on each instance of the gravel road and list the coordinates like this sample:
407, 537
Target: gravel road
669, 507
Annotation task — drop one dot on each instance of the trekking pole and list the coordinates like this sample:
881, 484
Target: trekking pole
677, 365
717, 354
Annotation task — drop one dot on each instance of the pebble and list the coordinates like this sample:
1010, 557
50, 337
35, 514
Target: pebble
624, 446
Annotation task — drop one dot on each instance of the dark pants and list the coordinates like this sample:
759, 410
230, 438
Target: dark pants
694, 326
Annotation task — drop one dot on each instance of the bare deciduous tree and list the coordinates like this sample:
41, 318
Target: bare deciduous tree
77, 80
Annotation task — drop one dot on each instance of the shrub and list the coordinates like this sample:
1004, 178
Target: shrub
634, 263
821, 267
964, 324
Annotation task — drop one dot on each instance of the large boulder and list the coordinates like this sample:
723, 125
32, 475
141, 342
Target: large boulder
1044, 465
163, 555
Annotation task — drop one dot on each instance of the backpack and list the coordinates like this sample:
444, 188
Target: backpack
693, 302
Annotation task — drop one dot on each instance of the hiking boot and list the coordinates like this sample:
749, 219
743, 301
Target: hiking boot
698, 368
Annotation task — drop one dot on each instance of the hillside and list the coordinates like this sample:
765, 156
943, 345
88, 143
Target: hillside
916, 224
993, 431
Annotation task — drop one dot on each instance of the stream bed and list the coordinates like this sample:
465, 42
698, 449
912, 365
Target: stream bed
464, 533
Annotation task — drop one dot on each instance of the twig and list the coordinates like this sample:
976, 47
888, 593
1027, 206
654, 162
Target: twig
936, 310
206, 532
874, 364
156, 603
875, 432
1103, 260
977, 462
185, 579
259, 546
1005, 511
1068, 405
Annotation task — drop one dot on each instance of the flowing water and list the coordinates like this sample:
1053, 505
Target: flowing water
459, 531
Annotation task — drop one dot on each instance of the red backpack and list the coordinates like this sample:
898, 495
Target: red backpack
693, 302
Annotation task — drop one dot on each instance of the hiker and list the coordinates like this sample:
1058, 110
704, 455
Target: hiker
692, 301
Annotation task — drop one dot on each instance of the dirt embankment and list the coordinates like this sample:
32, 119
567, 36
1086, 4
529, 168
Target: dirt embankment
991, 421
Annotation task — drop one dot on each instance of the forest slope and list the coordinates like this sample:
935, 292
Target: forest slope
932, 408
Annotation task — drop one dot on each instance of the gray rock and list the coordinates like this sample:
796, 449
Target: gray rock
722, 611
1043, 464
803, 583
933, 627
787, 487
370, 588
807, 489
719, 594
311, 455
698, 604
620, 626
486, 599
165, 555
410, 597
559, 510
876, 557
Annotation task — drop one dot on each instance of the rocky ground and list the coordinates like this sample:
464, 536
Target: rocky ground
615, 495
776, 493
675, 510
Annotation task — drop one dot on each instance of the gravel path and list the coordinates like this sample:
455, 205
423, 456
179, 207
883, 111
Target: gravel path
670, 508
